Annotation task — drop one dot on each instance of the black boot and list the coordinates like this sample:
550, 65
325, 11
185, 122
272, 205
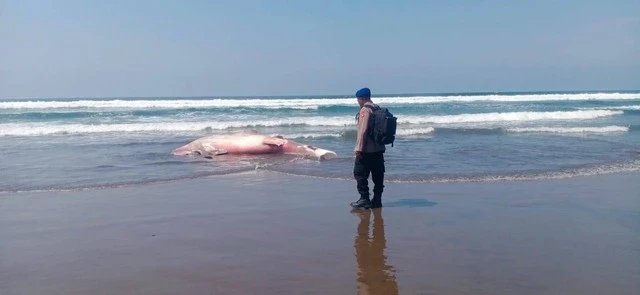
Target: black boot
376, 202
362, 203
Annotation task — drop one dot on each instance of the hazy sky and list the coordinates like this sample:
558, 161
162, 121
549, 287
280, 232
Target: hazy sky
139, 48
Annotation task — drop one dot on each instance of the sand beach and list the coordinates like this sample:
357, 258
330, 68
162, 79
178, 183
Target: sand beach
264, 232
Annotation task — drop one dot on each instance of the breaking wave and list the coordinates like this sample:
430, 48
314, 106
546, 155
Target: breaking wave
301, 103
606, 129
37, 129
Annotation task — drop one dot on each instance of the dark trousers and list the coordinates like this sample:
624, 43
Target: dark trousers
365, 164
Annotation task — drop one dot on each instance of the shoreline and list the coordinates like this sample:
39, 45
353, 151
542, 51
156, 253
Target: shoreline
614, 169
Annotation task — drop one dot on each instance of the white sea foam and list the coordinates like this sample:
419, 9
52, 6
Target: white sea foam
31, 129
509, 116
399, 133
310, 135
621, 108
629, 108
604, 130
414, 131
35, 129
569, 173
300, 103
604, 169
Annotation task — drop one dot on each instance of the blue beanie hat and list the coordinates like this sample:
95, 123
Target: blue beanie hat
364, 92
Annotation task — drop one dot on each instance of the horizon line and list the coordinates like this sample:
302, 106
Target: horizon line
337, 95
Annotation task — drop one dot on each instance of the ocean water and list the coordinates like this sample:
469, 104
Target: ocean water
66, 144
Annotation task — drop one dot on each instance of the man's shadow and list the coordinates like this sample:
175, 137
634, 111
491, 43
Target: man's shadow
374, 276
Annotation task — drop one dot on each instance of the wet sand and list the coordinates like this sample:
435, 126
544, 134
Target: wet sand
268, 233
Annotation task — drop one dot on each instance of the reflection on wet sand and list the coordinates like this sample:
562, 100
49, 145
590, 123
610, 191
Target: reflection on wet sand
374, 276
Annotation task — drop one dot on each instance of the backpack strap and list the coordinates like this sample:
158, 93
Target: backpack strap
372, 108
372, 118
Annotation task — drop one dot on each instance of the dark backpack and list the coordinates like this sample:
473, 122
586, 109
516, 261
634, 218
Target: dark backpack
383, 125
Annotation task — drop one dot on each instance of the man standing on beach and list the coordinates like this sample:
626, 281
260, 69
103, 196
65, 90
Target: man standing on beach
369, 156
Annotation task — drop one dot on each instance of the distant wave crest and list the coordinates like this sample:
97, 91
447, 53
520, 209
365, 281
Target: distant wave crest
510, 116
300, 103
605, 129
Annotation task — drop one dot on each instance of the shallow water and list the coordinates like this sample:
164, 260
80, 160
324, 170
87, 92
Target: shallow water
76, 143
